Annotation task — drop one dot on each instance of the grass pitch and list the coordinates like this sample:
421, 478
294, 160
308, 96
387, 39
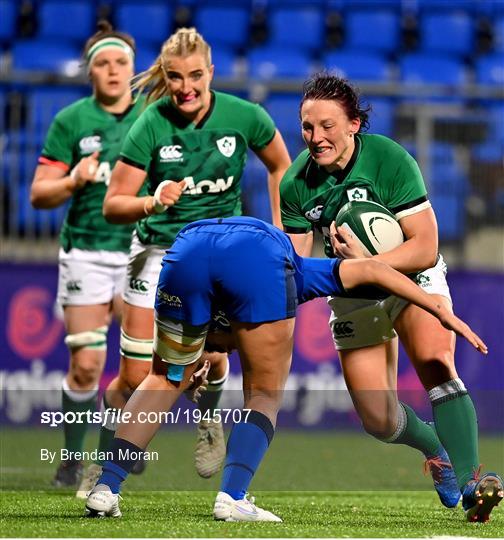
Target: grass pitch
321, 484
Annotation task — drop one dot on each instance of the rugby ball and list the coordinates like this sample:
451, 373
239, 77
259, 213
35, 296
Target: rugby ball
375, 227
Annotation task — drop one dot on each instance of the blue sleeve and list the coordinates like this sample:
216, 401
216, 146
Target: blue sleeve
318, 277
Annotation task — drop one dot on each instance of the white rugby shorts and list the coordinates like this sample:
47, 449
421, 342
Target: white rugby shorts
357, 322
90, 277
142, 273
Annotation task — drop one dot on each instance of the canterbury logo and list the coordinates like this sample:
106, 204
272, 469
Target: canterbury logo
315, 213
74, 286
139, 285
171, 153
343, 328
423, 280
88, 145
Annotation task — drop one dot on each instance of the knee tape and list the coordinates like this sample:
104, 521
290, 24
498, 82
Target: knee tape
92, 339
136, 349
176, 348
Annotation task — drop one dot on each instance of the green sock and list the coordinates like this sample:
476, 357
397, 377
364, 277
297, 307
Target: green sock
415, 432
107, 432
457, 427
75, 401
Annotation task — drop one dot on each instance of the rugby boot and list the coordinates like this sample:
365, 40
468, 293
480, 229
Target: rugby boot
481, 495
210, 448
227, 509
68, 474
101, 502
443, 475
89, 478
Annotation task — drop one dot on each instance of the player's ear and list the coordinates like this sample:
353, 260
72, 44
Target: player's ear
354, 127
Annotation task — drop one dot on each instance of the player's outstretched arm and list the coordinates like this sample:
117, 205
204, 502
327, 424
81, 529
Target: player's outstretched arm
356, 272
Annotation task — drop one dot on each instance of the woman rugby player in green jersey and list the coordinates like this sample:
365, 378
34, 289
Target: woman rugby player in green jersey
81, 148
342, 164
189, 148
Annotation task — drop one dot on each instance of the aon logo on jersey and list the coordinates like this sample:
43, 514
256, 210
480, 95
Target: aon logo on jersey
207, 186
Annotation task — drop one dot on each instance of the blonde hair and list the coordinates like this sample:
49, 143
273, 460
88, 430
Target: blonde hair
184, 42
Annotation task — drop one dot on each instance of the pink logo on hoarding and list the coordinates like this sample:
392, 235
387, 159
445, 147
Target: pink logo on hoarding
313, 340
32, 331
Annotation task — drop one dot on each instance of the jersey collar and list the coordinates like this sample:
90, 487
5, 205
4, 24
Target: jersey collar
182, 122
341, 174
204, 120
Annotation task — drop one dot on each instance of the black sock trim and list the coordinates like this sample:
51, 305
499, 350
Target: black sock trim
242, 466
126, 448
262, 422
449, 397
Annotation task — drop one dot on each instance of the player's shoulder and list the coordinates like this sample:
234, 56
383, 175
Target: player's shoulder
75, 111
381, 145
227, 100
156, 108
299, 169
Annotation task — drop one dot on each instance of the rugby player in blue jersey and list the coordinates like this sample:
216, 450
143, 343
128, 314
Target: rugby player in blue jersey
250, 271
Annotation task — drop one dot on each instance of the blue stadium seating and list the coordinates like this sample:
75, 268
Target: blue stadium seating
269, 62
446, 170
16, 174
448, 189
357, 65
297, 27
60, 19
498, 27
284, 109
448, 33
228, 26
435, 68
381, 117
489, 69
145, 56
491, 151
45, 102
147, 22
225, 62
255, 189
450, 215
373, 30
53, 56
292, 3
487, 8
348, 5
8, 19
496, 122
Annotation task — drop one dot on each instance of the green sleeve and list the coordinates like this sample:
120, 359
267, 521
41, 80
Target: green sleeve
58, 144
292, 215
139, 141
408, 184
262, 128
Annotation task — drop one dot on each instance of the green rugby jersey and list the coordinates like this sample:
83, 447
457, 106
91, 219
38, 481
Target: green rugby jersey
209, 156
76, 132
380, 170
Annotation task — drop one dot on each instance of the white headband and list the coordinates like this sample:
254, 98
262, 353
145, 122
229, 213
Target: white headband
106, 44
